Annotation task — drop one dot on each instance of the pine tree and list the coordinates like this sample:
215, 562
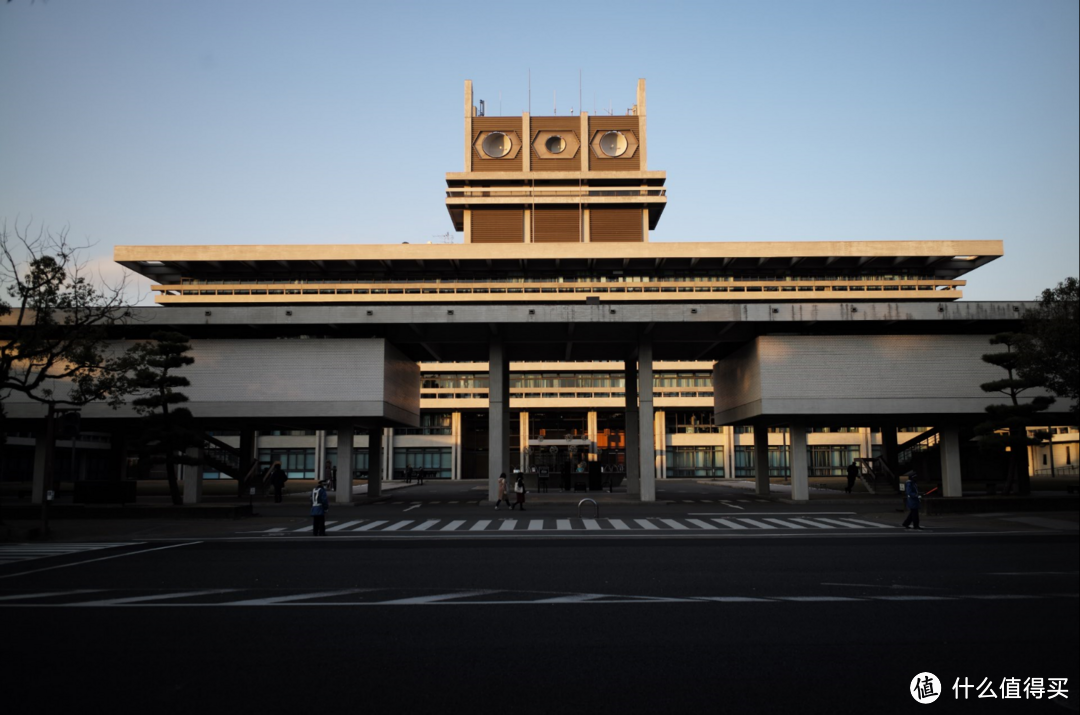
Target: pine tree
168, 430
1006, 428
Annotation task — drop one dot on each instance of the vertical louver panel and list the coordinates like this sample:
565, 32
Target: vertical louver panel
615, 225
498, 226
556, 225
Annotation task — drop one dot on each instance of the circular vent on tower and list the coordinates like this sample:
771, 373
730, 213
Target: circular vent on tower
497, 145
613, 143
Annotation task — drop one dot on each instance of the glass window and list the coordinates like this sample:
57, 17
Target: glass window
696, 461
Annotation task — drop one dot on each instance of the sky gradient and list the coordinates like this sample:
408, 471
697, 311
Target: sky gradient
243, 122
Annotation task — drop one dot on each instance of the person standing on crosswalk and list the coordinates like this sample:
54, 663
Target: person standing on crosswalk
320, 503
503, 497
519, 493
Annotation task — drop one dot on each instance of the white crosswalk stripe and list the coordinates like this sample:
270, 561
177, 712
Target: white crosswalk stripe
594, 525
13, 553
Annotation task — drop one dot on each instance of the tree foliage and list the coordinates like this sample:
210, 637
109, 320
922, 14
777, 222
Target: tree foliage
53, 321
1052, 356
1006, 426
167, 429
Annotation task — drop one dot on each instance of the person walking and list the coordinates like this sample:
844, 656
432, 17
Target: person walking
852, 475
328, 475
277, 478
320, 504
912, 497
503, 496
519, 493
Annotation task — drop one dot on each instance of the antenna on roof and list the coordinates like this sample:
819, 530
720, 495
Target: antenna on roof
480, 112
554, 104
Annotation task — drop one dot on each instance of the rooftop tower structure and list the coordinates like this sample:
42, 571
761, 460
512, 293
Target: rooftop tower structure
556, 179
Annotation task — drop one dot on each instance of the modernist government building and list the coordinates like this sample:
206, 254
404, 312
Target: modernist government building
557, 333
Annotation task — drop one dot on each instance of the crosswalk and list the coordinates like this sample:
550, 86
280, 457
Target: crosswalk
13, 553
650, 524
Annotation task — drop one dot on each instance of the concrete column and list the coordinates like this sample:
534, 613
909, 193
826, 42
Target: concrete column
455, 445
800, 469
469, 110
526, 142
633, 472
660, 430
193, 477
586, 219
498, 416
889, 449
865, 449
320, 452
647, 463
950, 462
375, 462
37, 494
591, 425
761, 460
343, 493
523, 441
386, 454
727, 435
585, 142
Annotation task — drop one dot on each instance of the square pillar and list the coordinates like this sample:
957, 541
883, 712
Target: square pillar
633, 473
591, 422
800, 469
41, 449
889, 449
950, 462
455, 448
248, 464
647, 460
523, 440
193, 476
761, 460
660, 430
498, 416
343, 488
374, 460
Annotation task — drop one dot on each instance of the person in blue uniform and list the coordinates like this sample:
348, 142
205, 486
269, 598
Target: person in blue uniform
912, 497
320, 503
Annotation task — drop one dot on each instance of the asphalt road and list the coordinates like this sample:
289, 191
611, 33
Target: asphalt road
553, 624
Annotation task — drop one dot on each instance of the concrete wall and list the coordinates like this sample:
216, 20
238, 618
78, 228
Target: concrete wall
873, 375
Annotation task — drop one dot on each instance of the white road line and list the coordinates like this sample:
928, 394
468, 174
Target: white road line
701, 524
841, 523
913, 598
563, 525
1002, 596
758, 524
480, 525
674, 524
274, 600
725, 502
729, 524
508, 525
345, 525
453, 502
572, 598
49, 594
398, 525
735, 599
646, 524
785, 524
618, 524
103, 558
371, 525
453, 525
777, 513
1033, 573
155, 597
536, 524
870, 523
432, 599
414, 506
426, 525
817, 599
812, 523
591, 524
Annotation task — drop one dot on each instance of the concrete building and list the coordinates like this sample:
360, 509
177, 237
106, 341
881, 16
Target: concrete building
557, 334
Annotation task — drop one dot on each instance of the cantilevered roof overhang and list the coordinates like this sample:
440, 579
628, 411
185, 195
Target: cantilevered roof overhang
171, 264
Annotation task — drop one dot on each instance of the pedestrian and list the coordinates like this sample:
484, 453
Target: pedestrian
912, 497
852, 475
320, 503
277, 478
328, 475
519, 493
503, 496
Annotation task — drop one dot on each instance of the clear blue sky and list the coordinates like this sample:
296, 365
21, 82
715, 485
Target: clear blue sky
209, 122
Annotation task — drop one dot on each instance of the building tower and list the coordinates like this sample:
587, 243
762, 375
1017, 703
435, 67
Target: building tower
556, 179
